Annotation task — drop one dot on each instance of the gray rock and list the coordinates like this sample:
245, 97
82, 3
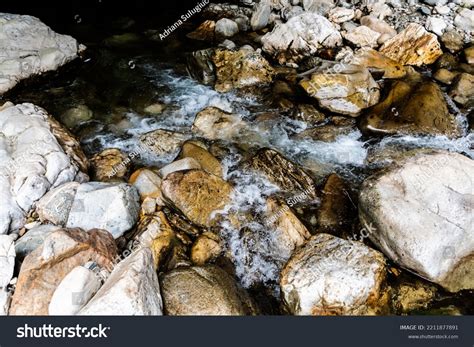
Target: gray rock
7, 260
113, 207
33, 239
321, 7
179, 165
421, 214
465, 20
55, 205
226, 27
260, 15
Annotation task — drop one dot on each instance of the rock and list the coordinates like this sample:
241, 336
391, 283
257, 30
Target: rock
465, 20
7, 260
241, 69
426, 200
362, 36
332, 276
325, 133
197, 194
469, 55
412, 296
201, 67
5, 300
109, 164
376, 62
383, 28
206, 248
413, 46
302, 36
309, 114
76, 115
202, 290
205, 32
335, 209
436, 25
341, 14
163, 142
55, 205
226, 28
131, 290
282, 172
260, 16
206, 160
463, 90
44, 268
411, 108
445, 76
343, 88
147, 183
33, 239
74, 291
214, 124
179, 165
320, 7
453, 41
113, 207
36, 154
29, 48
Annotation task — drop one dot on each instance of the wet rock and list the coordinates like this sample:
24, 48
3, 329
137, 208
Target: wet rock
197, 194
302, 36
74, 291
201, 67
345, 89
376, 62
113, 207
413, 46
362, 36
240, 69
332, 276
206, 248
109, 164
309, 114
453, 41
205, 32
282, 172
30, 47
179, 165
147, 182
33, 239
7, 260
260, 16
206, 160
202, 290
44, 268
463, 90
131, 290
55, 205
427, 200
226, 28
36, 154
411, 108
214, 123
325, 133
163, 142
76, 115
412, 296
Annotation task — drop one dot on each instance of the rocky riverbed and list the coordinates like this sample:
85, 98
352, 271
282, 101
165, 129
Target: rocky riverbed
293, 157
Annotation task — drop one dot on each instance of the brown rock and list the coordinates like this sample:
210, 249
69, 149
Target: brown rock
453, 41
162, 142
308, 114
205, 32
377, 62
413, 46
44, 268
463, 90
214, 123
109, 164
206, 248
409, 296
325, 133
208, 162
197, 194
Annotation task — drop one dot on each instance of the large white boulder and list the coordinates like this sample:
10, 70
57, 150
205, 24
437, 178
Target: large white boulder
29, 47
421, 214
36, 154
131, 289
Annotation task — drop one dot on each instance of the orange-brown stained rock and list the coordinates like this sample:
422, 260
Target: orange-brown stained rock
44, 268
205, 32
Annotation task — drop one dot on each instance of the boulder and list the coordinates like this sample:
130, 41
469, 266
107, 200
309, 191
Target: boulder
76, 115
205, 31
148, 183
29, 47
326, 133
282, 172
226, 28
132, 289
7, 260
36, 154
206, 248
241, 69
411, 107
214, 124
110, 164
343, 88
113, 207
465, 20
409, 296
376, 62
341, 14
320, 7
74, 291
33, 239
332, 276
55, 205
413, 46
163, 142
463, 90
203, 290
197, 194
362, 36
200, 66
180, 165
44, 268
421, 214
302, 36
206, 160
260, 15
